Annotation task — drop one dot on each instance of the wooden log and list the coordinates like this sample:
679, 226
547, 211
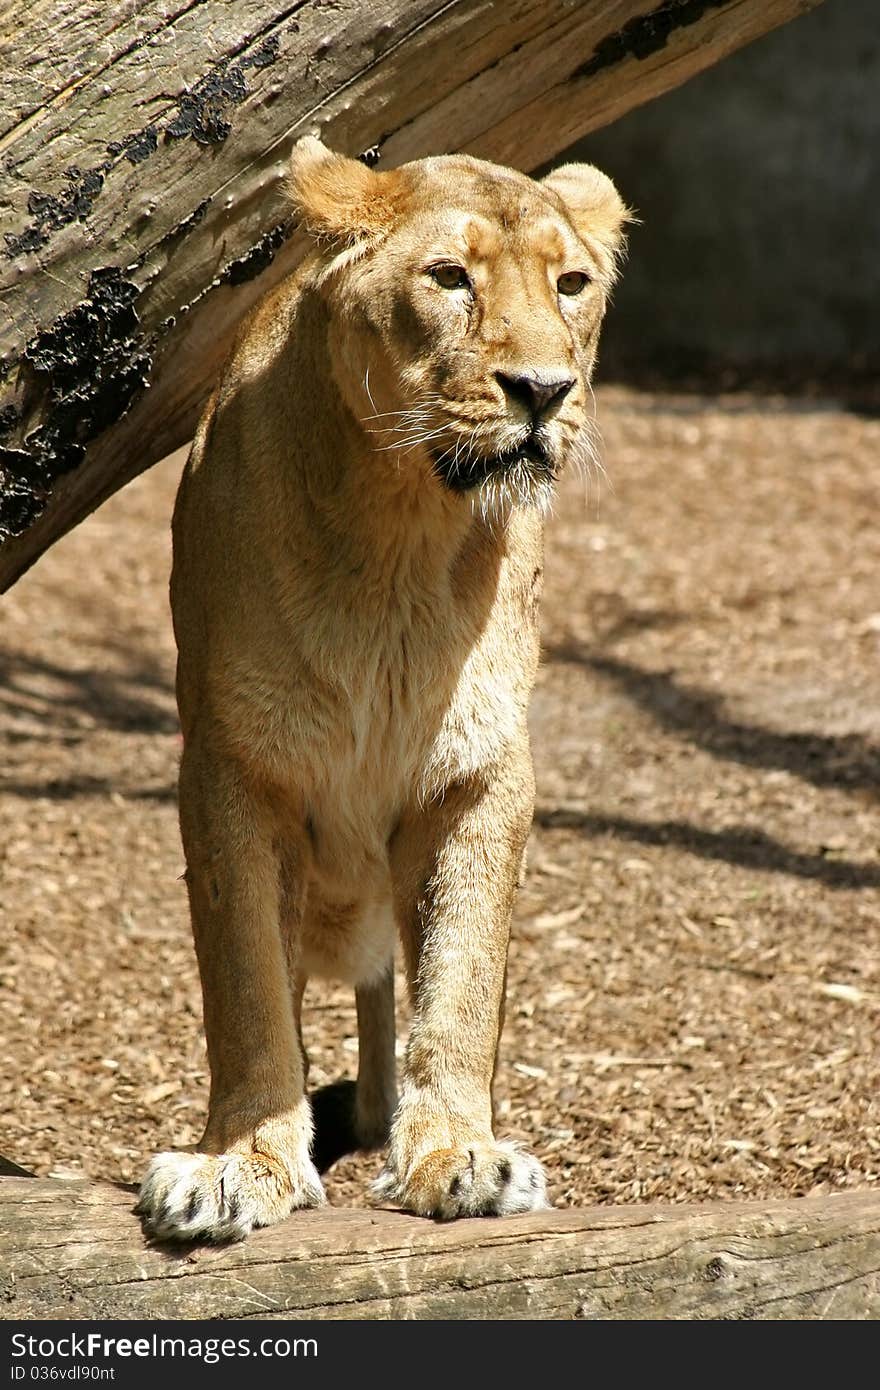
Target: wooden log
143, 152
75, 1250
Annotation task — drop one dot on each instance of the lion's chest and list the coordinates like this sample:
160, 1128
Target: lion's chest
418, 711
367, 754
368, 709
357, 770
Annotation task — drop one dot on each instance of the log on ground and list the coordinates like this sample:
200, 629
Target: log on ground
143, 153
75, 1250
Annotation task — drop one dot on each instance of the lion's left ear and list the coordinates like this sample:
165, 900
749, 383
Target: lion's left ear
338, 199
596, 209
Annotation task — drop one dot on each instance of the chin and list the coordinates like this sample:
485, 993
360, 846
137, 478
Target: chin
516, 487
522, 475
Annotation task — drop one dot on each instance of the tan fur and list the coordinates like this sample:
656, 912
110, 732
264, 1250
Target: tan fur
358, 640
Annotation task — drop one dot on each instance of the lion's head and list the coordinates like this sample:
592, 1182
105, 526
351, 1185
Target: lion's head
466, 306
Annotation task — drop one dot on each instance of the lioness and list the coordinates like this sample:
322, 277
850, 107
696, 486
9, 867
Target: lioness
357, 569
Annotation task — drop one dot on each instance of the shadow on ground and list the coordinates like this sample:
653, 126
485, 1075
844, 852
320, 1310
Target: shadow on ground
742, 845
847, 762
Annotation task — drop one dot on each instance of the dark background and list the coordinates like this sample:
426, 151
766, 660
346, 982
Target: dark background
758, 186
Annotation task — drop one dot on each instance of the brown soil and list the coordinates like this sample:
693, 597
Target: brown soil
694, 999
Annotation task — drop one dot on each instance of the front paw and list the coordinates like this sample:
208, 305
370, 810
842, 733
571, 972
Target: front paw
221, 1197
496, 1179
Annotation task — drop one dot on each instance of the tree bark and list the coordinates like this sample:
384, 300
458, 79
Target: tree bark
143, 152
75, 1250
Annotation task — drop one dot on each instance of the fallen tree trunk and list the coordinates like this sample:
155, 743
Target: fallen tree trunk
75, 1250
143, 151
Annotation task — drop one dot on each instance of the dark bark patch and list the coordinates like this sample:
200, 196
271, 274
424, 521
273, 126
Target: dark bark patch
203, 113
136, 147
80, 375
53, 210
255, 261
645, 34
265, 55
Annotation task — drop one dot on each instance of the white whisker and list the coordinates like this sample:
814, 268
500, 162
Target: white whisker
406, 444
367, 387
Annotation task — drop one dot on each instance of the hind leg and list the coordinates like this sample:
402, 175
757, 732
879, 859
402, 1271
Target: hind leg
349, 1116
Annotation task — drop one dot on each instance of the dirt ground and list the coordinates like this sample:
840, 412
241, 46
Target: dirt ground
694, 1000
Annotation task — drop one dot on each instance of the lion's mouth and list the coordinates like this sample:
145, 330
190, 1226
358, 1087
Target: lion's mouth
463, 474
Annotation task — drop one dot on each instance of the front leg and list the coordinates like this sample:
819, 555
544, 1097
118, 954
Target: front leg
252, 1167
455, 865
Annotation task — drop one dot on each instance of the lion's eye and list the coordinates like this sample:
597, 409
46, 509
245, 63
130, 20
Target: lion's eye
451, 277
572, 282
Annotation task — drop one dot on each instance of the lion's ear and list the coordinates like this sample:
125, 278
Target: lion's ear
596, 209
339, 199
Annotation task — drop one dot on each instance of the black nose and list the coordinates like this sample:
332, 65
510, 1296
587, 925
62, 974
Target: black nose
534, 392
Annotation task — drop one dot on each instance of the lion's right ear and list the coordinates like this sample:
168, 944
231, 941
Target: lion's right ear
338, 199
